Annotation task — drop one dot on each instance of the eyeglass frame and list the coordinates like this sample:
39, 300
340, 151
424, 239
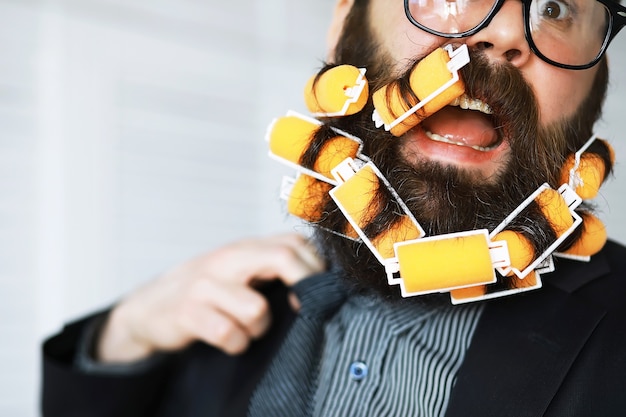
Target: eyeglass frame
616, 22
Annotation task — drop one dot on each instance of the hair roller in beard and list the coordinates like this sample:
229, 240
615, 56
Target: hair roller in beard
592, 239
306, 196
556, 210
389, 104
521, 251
558, 207
340, 91
587, 177
402, 230
468, 293
333, 152
356, 197
504, 286
436, 83
290, 136
445, 262
586, 171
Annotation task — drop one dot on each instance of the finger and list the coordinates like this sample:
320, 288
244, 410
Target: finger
216, 329
263, 259
282, 261
249, 309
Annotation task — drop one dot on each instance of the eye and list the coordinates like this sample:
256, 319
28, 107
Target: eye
554, 10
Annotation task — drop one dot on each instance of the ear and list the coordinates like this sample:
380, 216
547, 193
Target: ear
336, 25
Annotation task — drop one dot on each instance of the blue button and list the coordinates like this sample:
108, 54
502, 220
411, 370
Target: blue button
358, 370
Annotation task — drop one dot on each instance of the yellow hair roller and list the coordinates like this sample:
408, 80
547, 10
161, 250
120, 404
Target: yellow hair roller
592, 239
290, 136
589, 174
402, 230
306, 196
340, 91
558, 206
556, 210
474, 292
512, 285
442, 263
521, 251
335, 151
356, 198
434, 80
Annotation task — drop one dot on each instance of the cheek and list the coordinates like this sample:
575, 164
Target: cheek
402, 41
561, 92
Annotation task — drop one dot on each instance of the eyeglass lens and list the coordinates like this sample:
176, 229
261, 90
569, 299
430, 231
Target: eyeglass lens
570, 32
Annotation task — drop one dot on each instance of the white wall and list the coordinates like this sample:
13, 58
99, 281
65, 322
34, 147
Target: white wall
131, 138
612, 199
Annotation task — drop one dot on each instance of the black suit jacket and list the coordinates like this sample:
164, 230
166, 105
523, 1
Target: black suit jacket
558, 351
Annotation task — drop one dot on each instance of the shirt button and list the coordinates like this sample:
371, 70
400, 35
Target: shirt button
358, 370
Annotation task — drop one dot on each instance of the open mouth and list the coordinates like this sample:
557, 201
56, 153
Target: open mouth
467, 122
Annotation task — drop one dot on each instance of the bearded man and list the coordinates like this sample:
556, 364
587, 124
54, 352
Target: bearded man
274, 327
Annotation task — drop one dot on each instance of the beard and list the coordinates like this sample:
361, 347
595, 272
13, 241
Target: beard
445, 198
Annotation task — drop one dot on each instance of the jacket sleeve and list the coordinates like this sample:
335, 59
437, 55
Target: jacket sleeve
71, 390
198, 381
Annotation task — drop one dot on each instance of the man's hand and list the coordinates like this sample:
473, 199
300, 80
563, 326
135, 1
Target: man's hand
210, 298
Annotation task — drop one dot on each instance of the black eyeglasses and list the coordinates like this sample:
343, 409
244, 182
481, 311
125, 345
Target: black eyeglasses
571, 34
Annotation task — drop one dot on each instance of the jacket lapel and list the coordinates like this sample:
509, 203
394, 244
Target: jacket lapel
524, 346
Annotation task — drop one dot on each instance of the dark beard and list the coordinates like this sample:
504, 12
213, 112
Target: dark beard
446, 199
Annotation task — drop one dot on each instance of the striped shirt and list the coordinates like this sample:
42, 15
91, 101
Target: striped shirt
392, 360
359, 356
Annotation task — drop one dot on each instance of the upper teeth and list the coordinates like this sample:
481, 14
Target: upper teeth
466, 102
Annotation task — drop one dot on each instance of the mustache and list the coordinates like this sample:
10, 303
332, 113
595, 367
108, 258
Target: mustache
515, 114
502, 87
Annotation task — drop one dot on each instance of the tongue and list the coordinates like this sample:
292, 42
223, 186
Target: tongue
468, 127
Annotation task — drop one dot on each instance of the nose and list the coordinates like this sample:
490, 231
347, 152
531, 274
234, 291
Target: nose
503, 40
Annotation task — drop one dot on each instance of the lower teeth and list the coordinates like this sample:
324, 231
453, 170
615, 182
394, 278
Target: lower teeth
439, 138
